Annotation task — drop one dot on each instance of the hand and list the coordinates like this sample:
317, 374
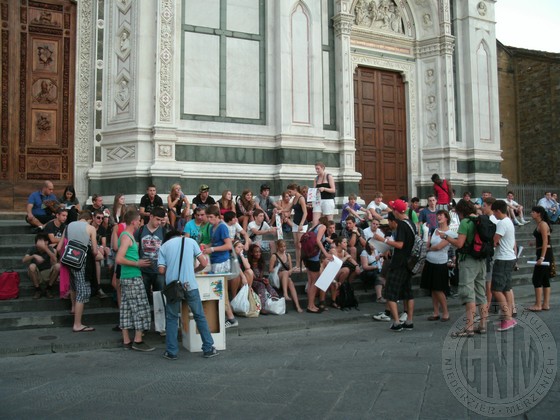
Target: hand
144, 262
378, 237
358, 270
38, 259
329, 257
207, 251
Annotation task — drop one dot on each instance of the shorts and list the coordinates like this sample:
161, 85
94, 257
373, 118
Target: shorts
398, 285
472, 281
501, 275
44, 276
313, 266
134, 313
223, 267
80, 285
324, 206
489, 267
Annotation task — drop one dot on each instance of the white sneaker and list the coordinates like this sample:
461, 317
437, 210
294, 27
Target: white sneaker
381, 316
404, 317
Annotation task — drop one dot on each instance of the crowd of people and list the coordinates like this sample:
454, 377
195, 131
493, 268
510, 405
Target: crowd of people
141, 249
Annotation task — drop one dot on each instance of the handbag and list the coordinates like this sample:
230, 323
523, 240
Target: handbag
276, 306
74, 255
240, 303
254, 304
159, 311
552, 267
174, 291
273, 277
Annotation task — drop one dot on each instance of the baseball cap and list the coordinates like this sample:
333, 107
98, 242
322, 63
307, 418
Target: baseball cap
398, 205
203, 187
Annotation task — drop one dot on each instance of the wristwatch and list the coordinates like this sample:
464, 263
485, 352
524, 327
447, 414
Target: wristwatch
444, 236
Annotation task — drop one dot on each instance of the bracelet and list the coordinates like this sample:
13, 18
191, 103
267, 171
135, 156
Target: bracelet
386, 239
211, 249
541, 258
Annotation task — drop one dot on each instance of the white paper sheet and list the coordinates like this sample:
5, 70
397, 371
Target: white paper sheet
381, 247
279, 230
545, 263
328, 274
313, 196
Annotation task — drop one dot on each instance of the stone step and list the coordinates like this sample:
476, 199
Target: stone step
58, 318
27, 304
17, 239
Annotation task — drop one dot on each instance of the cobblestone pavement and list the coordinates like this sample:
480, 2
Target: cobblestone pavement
344, 371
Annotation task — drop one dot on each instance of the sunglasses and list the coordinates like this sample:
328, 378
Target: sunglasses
99, 217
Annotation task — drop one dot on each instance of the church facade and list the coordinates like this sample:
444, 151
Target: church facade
234, 93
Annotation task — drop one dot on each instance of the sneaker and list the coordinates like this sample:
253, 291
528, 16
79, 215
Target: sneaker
142, 346
49, 294
407, 327
162, 333
381, 316
404, 317
116, 328
127, 346
211, 353
101, 294
381, 300
396, 328
169, 356
231, 323
37, 293
507, 325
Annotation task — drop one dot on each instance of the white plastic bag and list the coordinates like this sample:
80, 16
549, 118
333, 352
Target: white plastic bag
240, 303
159, 312
275, 306
273, 277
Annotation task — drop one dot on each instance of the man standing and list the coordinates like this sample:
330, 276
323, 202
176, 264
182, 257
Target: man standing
442, 191
55, 228
148, 202
203, 200
82, 232
398, 285
39, 206
266, 204
150, 238
428, 215
219, 252
504, 260
168, 262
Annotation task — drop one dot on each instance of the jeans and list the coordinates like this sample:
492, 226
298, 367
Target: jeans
553, 216
172, 311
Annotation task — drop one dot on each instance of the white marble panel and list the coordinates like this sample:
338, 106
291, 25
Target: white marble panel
300, 67
201, 74
326, 90
243, 16
325, 21
242, 80
198, 13
483, 93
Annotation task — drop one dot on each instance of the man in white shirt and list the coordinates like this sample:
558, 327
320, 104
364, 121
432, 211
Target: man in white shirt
258, 228
504, 260
377, 208
515, 210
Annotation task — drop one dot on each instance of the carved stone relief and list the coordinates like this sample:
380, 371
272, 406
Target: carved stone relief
482, 8
165, 150
166, 47
121, 153
379, 14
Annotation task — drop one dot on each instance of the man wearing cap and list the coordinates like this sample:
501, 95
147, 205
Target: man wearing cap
203, 199
266, 203
398, 286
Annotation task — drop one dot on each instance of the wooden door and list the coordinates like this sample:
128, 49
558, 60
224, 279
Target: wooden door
380, 121
38, 43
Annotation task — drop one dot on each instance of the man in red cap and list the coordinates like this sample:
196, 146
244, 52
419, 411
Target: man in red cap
398, 285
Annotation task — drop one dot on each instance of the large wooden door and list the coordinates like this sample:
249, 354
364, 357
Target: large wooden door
37, 97
380, 121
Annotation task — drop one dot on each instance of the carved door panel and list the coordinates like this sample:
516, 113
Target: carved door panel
380, 122
37, 97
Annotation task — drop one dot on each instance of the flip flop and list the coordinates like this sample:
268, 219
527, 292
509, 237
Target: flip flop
314, 312
84, 329
546, 309
433, 318
533, 309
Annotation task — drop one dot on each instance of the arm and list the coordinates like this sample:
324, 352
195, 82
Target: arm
272, 263
320, 234
92, 234
544, 231
52, 255
203, 263
304, 210
389, 241
457, 243
29, 209
27, 259
60, 243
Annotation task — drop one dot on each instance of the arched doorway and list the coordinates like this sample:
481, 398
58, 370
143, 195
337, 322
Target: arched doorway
37, 97
380, 126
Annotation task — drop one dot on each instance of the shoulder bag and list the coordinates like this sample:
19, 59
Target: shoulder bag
174, 291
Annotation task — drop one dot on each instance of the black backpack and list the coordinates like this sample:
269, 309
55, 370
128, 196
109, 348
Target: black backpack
482, 245
346, 298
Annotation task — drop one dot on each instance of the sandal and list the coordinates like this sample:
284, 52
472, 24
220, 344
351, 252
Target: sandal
322, 305
381, 300
335, 305
433, 318
462, 334
479, 330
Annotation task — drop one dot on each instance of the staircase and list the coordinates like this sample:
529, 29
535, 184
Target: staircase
26, 313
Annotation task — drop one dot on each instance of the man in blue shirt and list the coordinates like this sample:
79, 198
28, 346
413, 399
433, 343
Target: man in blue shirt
550, 205
168, 264
39, 205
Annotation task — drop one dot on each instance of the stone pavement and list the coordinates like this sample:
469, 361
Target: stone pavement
333, 365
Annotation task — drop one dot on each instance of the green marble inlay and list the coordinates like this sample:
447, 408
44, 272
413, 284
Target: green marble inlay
478, 166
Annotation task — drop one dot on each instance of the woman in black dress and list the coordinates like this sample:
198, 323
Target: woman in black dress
541, 273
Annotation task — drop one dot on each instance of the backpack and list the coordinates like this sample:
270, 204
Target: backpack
9, 285
346, 298
482, 245
417, 257
308, 242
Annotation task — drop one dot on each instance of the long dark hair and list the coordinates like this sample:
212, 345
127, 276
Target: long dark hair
464, 208
251, 258
544, 215
72, 190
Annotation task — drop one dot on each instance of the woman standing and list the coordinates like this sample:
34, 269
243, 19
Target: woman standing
324, 183
541, 273
313, 265
435, 276
300, 218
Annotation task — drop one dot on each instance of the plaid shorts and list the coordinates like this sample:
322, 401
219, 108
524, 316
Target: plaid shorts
80, 285
398, 284
223, 267
135, 309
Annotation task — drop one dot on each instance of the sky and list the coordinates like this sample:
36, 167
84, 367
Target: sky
529, 24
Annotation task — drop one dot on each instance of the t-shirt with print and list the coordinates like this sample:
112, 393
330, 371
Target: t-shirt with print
150, 205
379, 208
219, 234
149, 244
505, 250
193, 230
429, 217
57, 231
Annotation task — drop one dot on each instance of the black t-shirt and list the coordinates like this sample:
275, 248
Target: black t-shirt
150, 205
406, 235
202, 205
54, 229
46, 264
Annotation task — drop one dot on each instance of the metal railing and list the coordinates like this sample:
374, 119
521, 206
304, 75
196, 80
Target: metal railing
528, 195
